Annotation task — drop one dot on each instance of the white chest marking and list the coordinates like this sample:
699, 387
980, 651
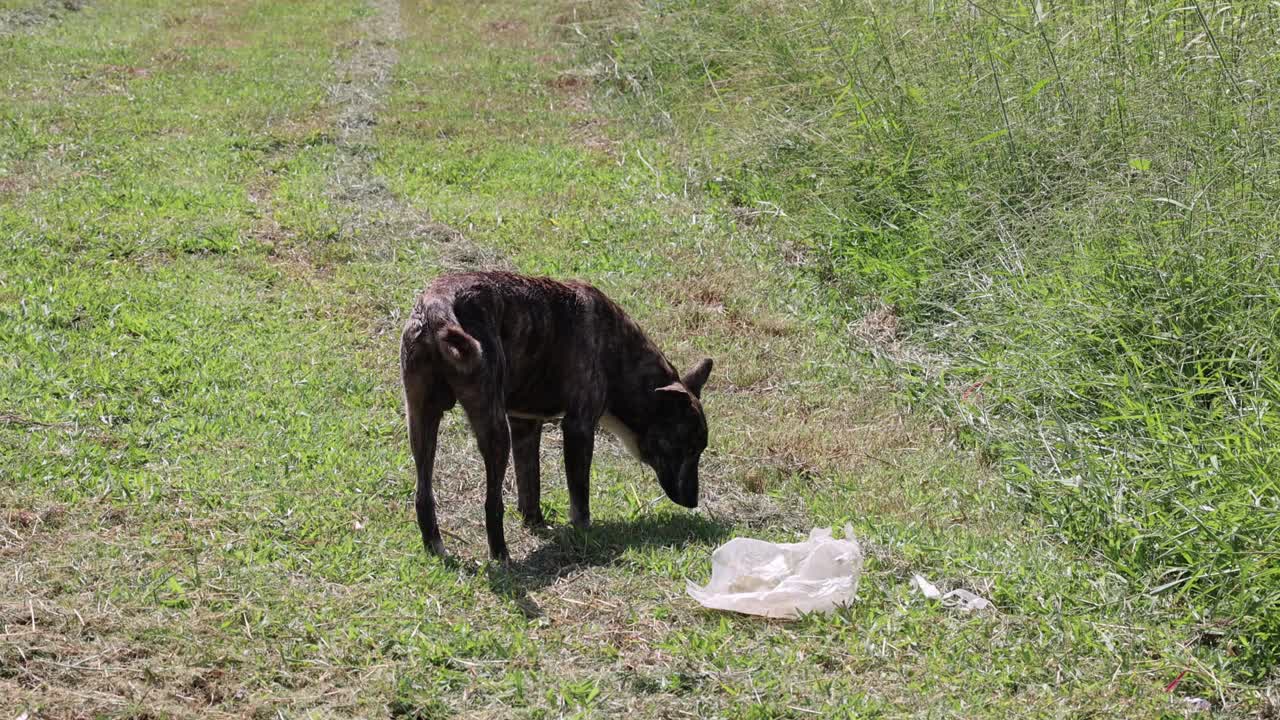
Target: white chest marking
619, 430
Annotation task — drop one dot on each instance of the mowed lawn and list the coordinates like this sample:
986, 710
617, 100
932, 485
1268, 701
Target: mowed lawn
213, 219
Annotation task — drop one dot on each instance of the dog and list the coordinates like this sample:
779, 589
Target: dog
517, 352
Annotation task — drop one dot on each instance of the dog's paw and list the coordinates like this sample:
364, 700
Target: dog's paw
436, 548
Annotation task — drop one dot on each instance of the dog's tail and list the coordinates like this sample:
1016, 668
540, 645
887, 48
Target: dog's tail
459, 349
433, 324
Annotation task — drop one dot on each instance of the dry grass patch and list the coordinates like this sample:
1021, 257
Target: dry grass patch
592, 135
221, 26
573, 87
71, 651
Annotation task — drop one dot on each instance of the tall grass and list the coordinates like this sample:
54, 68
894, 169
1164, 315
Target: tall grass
1075, 202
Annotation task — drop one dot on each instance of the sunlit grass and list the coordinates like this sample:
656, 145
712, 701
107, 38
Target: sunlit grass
206, 493
1073, 208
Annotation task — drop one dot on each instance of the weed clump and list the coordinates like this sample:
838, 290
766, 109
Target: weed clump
1076, 207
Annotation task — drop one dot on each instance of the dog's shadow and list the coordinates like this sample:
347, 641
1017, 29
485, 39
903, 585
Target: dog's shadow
566, 549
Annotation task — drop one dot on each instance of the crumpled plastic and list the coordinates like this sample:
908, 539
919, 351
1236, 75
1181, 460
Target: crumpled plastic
926, 588
783, 580
962, 599
958, 599
1195, 704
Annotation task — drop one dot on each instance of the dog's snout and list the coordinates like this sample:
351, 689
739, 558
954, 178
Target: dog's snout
686, 484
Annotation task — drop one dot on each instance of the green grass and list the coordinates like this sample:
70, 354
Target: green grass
207, 496
1071, 210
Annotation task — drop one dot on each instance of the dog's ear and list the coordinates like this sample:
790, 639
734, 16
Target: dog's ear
674, 390
697, 377
674, 397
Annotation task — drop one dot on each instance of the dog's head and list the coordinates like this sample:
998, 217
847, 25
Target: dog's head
678, 435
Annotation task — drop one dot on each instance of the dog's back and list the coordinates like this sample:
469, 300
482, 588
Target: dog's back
542, 337
516, 351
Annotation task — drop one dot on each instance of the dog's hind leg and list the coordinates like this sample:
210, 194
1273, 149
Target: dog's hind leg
424, 424
526, 437
424, 406
489, 424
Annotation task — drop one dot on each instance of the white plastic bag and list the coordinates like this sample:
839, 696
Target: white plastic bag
958, 599
962, 599
782, 580
926, 588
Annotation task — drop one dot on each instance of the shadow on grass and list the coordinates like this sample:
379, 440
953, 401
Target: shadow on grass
568, 549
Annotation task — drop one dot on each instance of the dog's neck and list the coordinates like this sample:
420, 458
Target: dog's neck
638, 369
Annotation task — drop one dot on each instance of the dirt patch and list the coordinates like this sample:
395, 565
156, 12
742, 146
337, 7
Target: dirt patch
126, 71
796, 255
879, 327
517, 28
591, 135
438, 232
289, 259
705, 306
747, 217
810, 433
881, 331
32, 519
170, 57
577, 15
574, 88
210, 28
11, 185
708, 296
569, 82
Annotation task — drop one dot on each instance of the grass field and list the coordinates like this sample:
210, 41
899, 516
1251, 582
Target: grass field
1067, 213
215, 216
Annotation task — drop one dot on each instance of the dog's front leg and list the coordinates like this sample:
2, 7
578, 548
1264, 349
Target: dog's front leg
526, 437
579, 443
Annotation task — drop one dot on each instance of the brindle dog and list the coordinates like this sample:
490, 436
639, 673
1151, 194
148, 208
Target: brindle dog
519, 351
